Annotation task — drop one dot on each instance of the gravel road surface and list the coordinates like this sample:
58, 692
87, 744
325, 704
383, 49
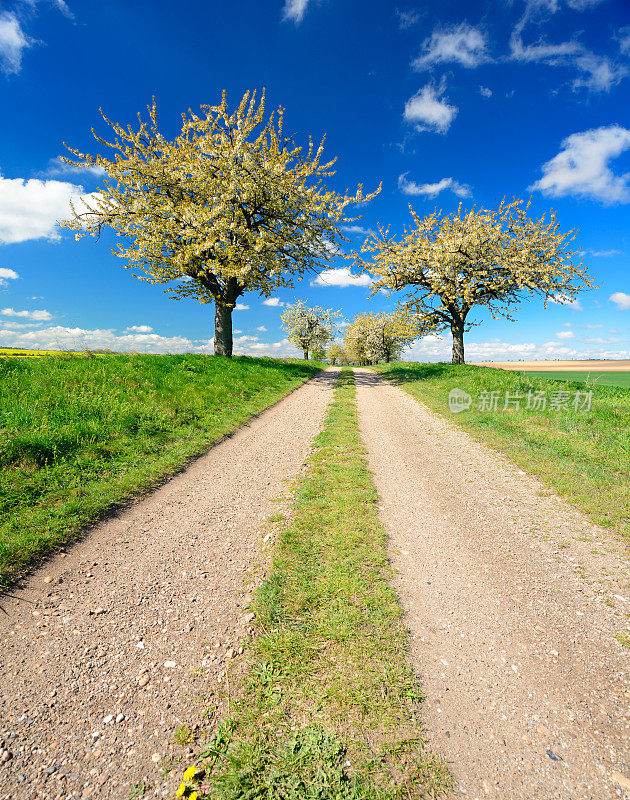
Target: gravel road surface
120, 639
513, 600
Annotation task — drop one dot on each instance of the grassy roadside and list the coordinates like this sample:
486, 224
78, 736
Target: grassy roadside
80, 435
584, 455
330, 705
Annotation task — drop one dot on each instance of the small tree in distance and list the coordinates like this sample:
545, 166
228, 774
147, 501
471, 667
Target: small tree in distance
230, 205
381, 337
336, 353
480, 258
309, 328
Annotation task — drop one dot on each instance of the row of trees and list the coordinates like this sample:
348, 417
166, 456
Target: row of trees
368, 339
233, 205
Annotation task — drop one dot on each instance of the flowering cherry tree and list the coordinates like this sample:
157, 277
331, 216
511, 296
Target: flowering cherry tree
380, 337
229, 205
309, 328
491, 259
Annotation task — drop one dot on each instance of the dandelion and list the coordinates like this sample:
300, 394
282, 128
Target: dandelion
190, 773
193, 796
182, 790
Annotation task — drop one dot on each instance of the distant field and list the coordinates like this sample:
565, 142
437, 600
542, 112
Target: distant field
79, 435
11, 352
600, 378
583, 453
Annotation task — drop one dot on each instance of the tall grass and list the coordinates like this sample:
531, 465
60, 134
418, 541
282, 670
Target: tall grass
583, 455
79, 435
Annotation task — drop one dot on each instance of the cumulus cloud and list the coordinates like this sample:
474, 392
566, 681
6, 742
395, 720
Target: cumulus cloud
241, 307
274, 302
13, 41
427, 112
581, 167
621, 300
563, 300
485, 91
461, 44
39, 315
31, 209
593, 327
341, 277
565, 334
261, 328
7, 275
432, 189
140, 328
294, 10
59, 337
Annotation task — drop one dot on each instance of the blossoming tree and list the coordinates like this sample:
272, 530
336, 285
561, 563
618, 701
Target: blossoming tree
480, 258
380, 337
229, 205
309, 328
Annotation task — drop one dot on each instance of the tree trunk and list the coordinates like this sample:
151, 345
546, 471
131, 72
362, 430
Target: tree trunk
223, 330
457, 329
305, 354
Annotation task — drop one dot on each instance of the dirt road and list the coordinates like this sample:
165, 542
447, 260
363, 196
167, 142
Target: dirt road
513, 600
113, 644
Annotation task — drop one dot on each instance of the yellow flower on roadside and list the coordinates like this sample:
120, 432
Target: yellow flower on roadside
190, 773
182, 790
193, 796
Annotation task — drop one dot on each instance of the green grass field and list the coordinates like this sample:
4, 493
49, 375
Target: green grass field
583, 454
80, 435
595, 378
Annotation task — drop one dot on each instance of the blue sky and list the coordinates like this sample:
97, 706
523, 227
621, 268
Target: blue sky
444, 102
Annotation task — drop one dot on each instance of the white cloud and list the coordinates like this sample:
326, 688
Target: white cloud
295, 10
593, 327
432, 189
57, 167
140, 328
461, 44
406, 19
31, 209
62, 338
355, 229
39, 315
598, 73
603, 253
241, 307
261, 328
623, 37
562, 300
581, 166
565, 334
7, 275
274, 302
342, 278
428, 112
12, 42
242, 339
621, 300
485, 91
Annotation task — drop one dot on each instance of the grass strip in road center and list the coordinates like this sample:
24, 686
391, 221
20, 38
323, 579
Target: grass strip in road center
330, 706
